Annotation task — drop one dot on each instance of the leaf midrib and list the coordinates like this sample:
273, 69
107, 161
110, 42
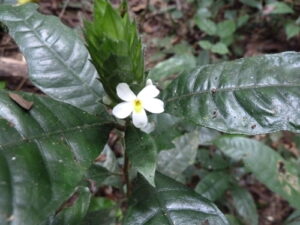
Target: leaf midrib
54, 133
58, 57
165, 210
214, 91
162, 207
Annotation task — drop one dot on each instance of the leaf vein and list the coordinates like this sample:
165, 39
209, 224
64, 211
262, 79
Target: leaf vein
246, 87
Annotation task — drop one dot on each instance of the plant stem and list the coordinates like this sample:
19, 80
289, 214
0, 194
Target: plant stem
126, 175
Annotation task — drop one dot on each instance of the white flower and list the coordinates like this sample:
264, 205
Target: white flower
136, 105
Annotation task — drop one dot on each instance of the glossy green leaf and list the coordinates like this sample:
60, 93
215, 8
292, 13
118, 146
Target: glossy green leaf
97, 173
252, 3
233, 220
226, 28
207, 25
141, 151
267, 166
105, 171
170, 203
211, 160
206, 3
44, 153
280, 8
293, 219
110, 160
251, 96
58, 61
291, 29
242, 20
99, 217
2, 85
102, 211
213, 185
220, 48
205, 44
207, 135
172, 66
203, 13
174, 161
75, 210
8, 1
244, 205
166, 129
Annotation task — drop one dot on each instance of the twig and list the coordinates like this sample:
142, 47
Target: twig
62, 12
21, 84
178, 5
126, 175
147, 6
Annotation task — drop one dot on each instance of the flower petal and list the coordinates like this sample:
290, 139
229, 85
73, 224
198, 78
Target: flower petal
149, 82
139, 119
122, 110
153, 105
125, 93
150, 91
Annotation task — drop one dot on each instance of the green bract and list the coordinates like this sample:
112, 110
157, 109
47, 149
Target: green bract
115, 48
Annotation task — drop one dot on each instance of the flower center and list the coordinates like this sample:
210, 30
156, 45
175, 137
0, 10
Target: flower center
137, 106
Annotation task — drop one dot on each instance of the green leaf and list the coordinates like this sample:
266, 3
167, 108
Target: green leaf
207, 135
203, 13
280, 8
97, 173
226, 28
252, 3
213, 185
205, 45
57, 60
244, 205
267, 166
174, 161
220, 48
251, 96
211, 160
291, 29
205, 3
2, 85
242, 20
170, 203
233, 220
207, 25
176, 14
203, 58
104, 170
75, 213
297, 21
110, 160
141, 151
99, 217
293, 219
44, 153
166, 129
8, 2
174, 65
102, 211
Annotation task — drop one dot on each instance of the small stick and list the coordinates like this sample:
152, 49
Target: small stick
62, 12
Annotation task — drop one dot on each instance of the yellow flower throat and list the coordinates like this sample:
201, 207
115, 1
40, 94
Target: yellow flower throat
137, 106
